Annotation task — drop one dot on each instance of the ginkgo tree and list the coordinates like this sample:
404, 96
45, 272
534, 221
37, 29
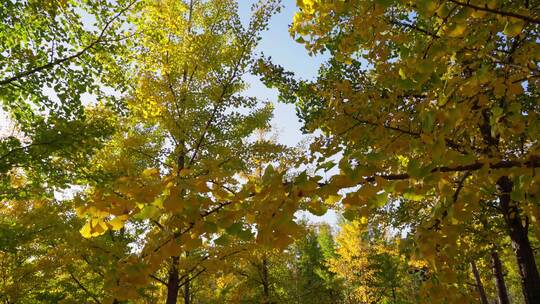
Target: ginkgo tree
431, 102
372, 270
44, 258
55, 55
182, 157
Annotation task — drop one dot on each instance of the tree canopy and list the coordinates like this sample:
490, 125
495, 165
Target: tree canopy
136, 168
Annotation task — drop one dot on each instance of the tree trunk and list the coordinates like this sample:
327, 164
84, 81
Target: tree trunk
173, 283
502, 293
479, 285
187, 292
265, 283
530, 279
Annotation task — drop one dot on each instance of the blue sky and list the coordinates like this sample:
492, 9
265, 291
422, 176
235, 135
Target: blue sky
278, 44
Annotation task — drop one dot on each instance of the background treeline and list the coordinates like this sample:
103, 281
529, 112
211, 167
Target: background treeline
45, 260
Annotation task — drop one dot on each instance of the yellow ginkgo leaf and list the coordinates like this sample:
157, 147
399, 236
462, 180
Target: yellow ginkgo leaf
98, 226
86, 231
332, 199
116, 224
150, 172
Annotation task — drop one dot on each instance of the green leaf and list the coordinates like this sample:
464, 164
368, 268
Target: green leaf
210, 227
148, 212
413, 196
234, 228
350, 214
415, 169
327, 166
317, 209
513, 28
222, 240
381, 199
237, 229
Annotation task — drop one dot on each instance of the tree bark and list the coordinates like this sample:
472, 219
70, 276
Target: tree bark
265, 282
173, 283
502, 293
479, 285
187, 292
530, 279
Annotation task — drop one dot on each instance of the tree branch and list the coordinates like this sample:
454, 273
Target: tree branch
191, 225
485, 8
158, 279
532, 163
193, 277
68, 58
450, 143
81, 286
414, 27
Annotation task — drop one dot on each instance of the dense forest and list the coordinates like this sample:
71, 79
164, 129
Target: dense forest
136, 168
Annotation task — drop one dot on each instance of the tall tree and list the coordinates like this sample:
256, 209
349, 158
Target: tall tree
315, 283
44, 259
185, 140
56, 56
372, 268
498, 276
479, 284
445, 111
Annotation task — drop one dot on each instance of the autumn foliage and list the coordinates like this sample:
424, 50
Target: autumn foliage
134, 168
